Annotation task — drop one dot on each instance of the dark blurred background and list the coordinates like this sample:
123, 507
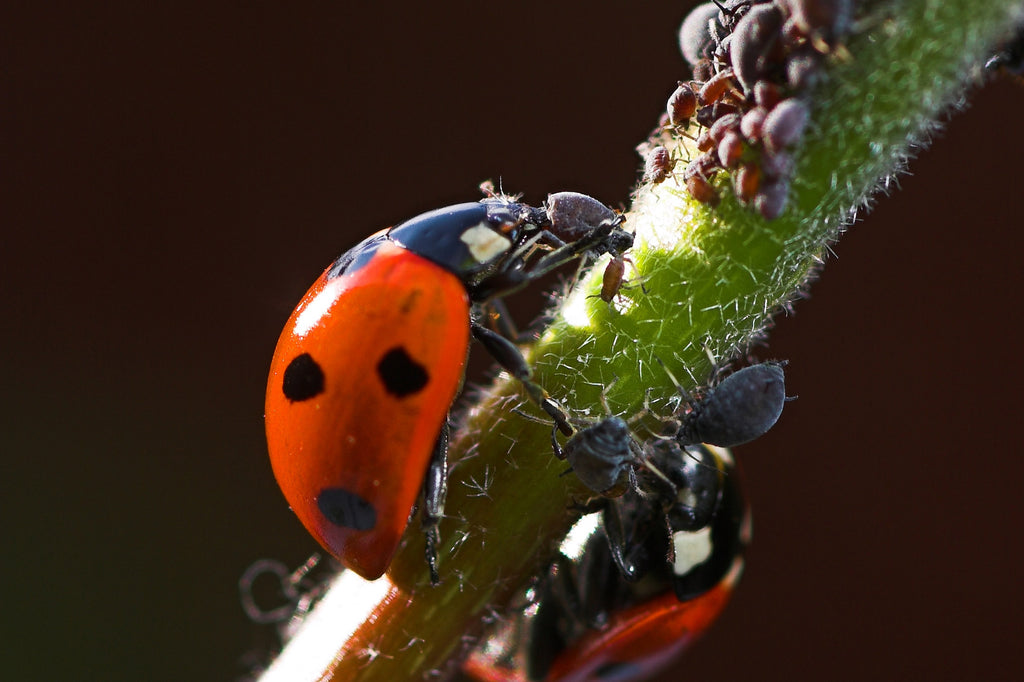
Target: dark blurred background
174, 179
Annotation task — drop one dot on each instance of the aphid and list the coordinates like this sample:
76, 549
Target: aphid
784, 124
771, 198
613, 278
706, 116
746, 181
730, 149
754, 37
574, 215
704, 165
743, 407
821, 22
723, 125
715, 88
803, 68
682, 105
658, 165
750, 124
766, 94
702, 190
705, 142
601, 455
695, 35
776, 165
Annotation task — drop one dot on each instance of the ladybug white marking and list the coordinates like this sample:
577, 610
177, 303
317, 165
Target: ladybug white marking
484, 243
691, 549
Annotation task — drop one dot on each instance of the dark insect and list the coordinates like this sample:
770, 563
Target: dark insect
632, 586
743, 407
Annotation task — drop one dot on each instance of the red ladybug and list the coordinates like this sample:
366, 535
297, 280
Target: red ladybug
587, 621
371, 359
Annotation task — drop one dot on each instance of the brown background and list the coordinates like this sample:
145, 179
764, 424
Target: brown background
174, 181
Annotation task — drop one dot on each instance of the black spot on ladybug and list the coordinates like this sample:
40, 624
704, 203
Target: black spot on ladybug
303, 379
345, 509
402, 376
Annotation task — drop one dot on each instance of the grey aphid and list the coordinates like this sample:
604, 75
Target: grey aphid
741, 408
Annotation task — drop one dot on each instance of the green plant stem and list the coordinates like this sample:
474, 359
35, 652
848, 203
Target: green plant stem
712, 279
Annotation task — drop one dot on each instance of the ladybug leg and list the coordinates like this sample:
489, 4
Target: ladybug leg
555, 447
609, 237
545, 640
517, 273
509, 357
435, 489
500, 320
611, 519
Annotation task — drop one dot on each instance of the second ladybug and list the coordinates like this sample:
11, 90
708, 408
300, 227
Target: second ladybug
591, 618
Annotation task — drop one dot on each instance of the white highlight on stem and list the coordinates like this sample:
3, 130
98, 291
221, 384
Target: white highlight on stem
349, 601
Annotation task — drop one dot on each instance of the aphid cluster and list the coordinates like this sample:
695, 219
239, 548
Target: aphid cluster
754, 63
636, 589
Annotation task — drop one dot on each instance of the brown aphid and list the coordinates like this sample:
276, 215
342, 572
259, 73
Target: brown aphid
702, 190
715, 88
820, 22
682, 105
746, 181
613, 278
730, 149
723, 125
753, 39
695, 39
706, 116
703, 70
803, 68
785, 123
777, 164
766, 94
771, 199
705, 164
750, 124
657, 165
704, 141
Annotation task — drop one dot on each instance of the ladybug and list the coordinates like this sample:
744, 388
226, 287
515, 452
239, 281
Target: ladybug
584, 620
373, 356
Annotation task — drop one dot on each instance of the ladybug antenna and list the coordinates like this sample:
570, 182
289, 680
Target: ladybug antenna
533, 418
657, 472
